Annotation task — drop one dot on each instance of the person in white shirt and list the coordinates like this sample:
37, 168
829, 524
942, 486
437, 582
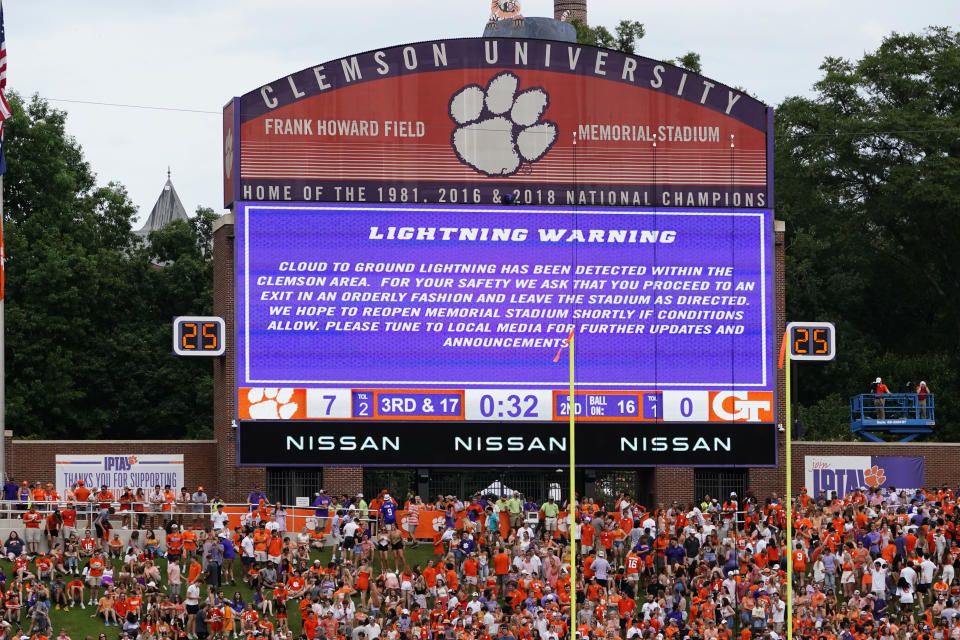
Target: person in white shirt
927, 570
246, 549
909, 574
474, 606
649, 523
649, 609
777, 608
947, 573
879, 576
491, 624
272, 525
218, 518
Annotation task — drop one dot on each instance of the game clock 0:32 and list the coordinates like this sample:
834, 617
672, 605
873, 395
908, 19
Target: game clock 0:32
198, 336
811, 340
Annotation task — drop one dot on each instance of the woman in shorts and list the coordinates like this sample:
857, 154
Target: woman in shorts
383, 549
396, 545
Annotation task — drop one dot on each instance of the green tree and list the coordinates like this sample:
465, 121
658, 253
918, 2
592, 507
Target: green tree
625, 37
88, 311
868, 181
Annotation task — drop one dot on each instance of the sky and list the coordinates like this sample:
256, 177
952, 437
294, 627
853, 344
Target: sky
198, 54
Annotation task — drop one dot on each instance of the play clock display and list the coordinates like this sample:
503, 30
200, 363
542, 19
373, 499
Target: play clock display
812, 340
198, 336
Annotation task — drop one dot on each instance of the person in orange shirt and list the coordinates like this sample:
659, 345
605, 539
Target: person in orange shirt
261, 537
31, 533
274, 547
249, 620
189, 543
39, 497
501, 568
470, 569
451, 578
95, 568
104, 497
587, 533
195, 570
168, 499
82, 495
800, 564
174, 544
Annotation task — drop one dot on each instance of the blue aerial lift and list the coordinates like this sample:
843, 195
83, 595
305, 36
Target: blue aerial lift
904, 415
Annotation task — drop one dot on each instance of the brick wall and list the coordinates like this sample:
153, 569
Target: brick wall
235, 482
345, 480
763, 482
673, 483
35, 460
577, 9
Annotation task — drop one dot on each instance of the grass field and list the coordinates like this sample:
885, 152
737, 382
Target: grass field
79, 624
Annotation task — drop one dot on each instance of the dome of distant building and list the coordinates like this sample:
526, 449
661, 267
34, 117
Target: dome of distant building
167, 209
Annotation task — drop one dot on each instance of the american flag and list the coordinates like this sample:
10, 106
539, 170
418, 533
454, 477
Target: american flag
4, 106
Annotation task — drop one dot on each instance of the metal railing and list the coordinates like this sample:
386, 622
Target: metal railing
892, 408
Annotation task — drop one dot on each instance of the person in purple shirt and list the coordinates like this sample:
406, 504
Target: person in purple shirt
674, 553
10, 490
873, 540
388, 510
255, 497
321, 505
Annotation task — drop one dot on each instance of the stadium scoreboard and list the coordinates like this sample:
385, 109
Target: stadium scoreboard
419, 228
462, 314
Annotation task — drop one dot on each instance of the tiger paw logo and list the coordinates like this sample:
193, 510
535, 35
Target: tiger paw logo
228, 153
439, 524
132, 460
272, 403
499, 129
874, 476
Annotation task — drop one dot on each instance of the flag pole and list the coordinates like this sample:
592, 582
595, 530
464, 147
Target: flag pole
788, 498
3, 345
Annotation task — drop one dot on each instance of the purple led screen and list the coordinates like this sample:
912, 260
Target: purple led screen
470, 297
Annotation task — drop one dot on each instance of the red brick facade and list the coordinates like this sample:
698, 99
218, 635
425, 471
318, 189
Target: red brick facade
35, 460
236, 482
577, 9
346, 480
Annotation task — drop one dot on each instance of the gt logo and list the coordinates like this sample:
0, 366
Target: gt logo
742, 406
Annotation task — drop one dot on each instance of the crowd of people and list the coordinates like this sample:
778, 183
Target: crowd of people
871, 564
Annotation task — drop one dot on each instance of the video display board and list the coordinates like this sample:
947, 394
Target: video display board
470, 120
389, 313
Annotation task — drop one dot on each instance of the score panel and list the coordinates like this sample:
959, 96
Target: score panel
500, 405
461, 313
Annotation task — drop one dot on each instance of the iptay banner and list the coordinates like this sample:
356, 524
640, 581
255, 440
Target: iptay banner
846, 473
120, 470
468, 121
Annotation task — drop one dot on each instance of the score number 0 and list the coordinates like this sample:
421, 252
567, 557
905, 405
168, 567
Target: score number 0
812, 340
